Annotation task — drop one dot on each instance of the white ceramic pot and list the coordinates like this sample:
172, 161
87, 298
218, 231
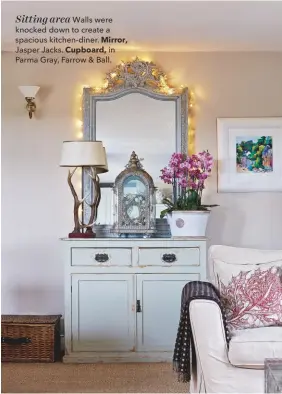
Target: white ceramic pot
188, 223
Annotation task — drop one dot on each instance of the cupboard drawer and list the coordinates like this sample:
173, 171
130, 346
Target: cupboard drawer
101, 256
169, 256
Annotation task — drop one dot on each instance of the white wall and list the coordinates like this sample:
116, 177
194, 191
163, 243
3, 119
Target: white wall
36, 201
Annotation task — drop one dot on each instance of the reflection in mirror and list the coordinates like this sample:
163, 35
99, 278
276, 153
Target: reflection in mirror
136, 122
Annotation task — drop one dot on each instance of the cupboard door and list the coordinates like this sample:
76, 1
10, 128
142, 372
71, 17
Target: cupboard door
103, 313
159, 297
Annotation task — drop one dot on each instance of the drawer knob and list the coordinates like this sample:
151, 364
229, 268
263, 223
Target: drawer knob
169, 258
101, 257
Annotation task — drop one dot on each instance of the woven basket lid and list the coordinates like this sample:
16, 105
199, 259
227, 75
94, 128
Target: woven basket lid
30, 319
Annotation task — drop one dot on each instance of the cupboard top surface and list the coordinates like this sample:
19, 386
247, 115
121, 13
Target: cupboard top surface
117, 239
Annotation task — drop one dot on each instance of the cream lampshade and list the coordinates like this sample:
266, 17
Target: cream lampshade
90, 155
102, 169
83, 154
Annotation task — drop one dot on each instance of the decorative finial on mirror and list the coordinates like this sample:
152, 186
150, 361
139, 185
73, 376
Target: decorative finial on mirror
134, 161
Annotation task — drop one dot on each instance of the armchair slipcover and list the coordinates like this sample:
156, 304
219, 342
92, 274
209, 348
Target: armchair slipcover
239, 369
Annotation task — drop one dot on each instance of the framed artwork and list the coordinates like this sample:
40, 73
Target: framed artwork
249, 154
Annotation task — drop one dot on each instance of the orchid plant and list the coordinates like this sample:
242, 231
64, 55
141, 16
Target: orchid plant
187, 175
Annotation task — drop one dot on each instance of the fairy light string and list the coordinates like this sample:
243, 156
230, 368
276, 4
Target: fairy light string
163, 86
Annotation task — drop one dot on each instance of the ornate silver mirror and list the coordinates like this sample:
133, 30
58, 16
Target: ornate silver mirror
136, 108
134, 194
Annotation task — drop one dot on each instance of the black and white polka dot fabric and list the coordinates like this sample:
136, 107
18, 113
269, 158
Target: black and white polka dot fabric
184, 358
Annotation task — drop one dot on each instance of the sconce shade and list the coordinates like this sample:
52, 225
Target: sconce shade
29, 91
84, 154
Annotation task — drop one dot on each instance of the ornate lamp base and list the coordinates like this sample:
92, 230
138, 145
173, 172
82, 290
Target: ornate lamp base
88, 234
85, 230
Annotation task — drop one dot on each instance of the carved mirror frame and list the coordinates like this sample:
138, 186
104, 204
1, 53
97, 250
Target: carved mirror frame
137, 76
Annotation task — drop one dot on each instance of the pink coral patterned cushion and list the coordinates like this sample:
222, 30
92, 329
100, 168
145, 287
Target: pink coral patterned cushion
253, 298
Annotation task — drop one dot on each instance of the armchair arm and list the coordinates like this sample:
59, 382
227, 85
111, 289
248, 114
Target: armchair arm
210, 341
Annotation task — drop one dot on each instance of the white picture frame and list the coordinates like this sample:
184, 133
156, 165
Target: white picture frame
234, 177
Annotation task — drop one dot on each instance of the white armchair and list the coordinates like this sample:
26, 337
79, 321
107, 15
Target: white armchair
239, 369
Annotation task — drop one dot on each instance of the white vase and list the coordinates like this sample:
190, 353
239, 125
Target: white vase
188, 223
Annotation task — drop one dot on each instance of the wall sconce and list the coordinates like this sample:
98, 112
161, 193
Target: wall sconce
29, 93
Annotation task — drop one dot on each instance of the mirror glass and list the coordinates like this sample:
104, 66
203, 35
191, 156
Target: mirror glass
136, 109
136, 122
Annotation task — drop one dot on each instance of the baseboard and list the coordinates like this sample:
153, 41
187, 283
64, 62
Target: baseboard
118, 357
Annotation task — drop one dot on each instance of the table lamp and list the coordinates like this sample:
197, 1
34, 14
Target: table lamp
91, 156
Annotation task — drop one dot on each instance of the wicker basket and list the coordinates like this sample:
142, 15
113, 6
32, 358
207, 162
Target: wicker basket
30, 338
